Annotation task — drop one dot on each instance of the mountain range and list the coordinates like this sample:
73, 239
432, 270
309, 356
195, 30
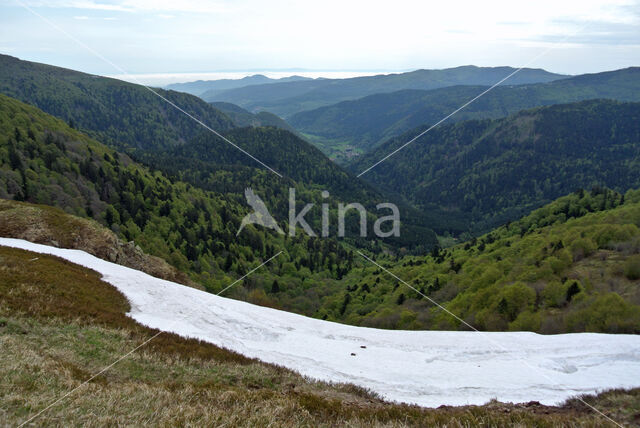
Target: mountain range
364, 123
286, 99
208, 88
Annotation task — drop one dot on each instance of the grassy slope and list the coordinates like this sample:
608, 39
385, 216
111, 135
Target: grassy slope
59, 324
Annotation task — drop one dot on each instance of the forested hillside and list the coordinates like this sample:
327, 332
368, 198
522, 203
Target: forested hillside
42, 160
364, 123
242, 118
132, 119
571, 266
475, 175
286, 99
120, 114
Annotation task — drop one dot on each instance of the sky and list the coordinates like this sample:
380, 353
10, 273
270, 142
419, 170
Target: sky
179, 40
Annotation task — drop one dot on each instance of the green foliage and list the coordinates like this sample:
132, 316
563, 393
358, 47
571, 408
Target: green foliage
632, 267
367, 122
489, 172
193, 229
552, 271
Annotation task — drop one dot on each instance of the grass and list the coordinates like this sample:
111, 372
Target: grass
59, 324
51, 226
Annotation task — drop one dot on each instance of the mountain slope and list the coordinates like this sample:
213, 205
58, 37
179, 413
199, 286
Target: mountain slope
571, 266
285, 99
367, 122
59, 323
242, 118
44, 161
130, 118
211, 87
489, 172
368, 358
52, 226
118, 113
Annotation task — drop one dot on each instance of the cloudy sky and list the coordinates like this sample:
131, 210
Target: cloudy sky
198, 36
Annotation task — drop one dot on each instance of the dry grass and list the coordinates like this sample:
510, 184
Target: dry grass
59, 323
52, 226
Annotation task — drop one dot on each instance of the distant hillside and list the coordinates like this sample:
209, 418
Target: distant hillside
120, 114
475, 175
243, 118
211, 87
286, 99
364, 123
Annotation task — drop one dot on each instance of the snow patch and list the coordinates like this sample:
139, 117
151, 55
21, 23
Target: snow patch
428, 368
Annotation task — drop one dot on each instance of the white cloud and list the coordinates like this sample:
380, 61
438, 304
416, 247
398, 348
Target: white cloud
200, 35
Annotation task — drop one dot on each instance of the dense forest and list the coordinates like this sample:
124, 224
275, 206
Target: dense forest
475, 175
571, 266
43, 160
243, 118
367, 122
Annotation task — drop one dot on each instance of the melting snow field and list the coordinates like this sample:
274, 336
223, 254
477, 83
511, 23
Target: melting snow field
429, 368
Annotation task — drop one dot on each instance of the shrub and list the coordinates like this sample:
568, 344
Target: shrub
581, 248
526, 321
607, 313
514, 299
554, 294
631, 267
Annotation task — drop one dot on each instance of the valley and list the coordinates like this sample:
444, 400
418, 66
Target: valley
510, 294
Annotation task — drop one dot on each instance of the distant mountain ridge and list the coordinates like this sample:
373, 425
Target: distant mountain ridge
211, 87
242, 118
286, 99
366, 122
